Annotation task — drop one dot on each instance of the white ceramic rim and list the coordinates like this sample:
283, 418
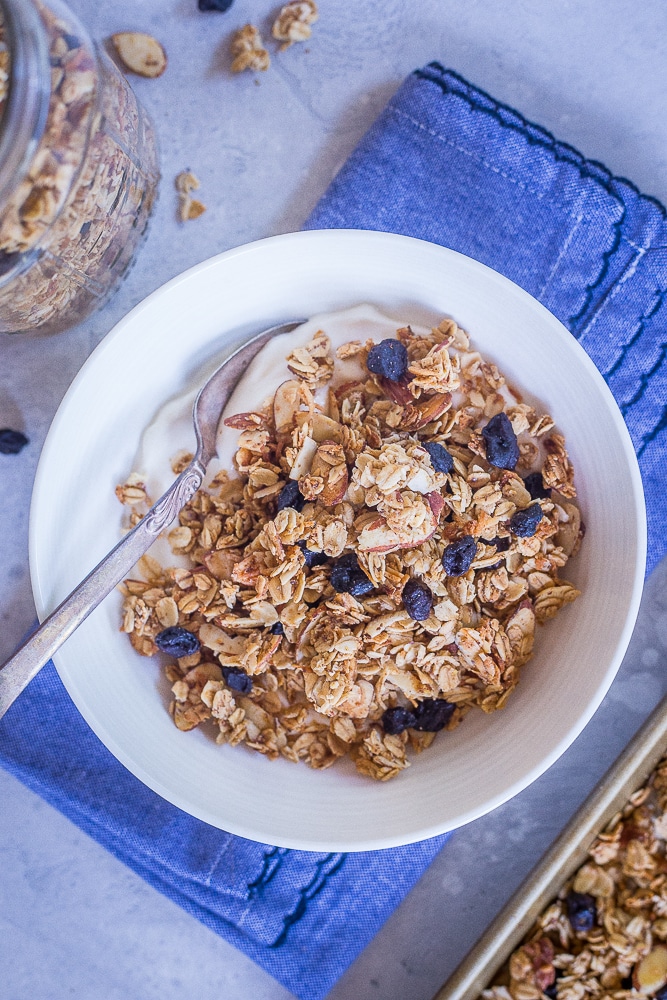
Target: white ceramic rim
49, 463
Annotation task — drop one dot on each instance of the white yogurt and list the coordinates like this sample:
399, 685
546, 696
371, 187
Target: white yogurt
171, 430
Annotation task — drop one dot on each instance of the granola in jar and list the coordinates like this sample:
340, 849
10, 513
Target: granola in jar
78, 171
371, 558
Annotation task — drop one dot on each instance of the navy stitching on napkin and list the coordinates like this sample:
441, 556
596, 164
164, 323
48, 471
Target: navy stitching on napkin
481, 101
271, 862
329, 866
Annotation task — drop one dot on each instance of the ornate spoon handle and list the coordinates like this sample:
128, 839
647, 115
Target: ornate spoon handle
18, 671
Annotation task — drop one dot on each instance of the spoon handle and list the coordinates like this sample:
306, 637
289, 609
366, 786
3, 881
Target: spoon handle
29, 659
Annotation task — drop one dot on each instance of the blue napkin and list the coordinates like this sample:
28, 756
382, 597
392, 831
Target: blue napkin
446, 163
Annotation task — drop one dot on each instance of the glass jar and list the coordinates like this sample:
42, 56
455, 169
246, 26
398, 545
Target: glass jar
78, 169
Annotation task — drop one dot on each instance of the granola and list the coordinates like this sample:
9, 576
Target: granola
606, 933
293, 569
71, 225
188, 207
293, 22
248, 51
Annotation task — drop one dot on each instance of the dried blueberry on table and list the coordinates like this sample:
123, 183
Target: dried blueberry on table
535, 486
277, 629
395, 720
524, 522
417, 599
220, 5
291, 496
177, 641
312, 558
581, 911
347, 577
432, 714
389, 358
458, 556
441, 460
502, 447
237, 679
11, 442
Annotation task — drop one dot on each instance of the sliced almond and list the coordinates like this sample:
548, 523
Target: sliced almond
323, 427
426, 410
141, 54
650, 974
286, 403
398, 392
304, 458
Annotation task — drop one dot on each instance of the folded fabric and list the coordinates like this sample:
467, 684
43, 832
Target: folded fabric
446, 163
303, 916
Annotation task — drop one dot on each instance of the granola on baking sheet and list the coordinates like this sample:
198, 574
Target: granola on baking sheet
377, 566
605, 935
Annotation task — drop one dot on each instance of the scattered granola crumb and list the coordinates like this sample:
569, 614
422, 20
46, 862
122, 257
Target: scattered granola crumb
188, 207
248, 51
140, 53
293, 22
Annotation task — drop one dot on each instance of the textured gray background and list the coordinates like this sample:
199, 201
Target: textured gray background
73, 920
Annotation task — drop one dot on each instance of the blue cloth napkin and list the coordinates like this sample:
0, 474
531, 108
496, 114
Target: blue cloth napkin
447, 163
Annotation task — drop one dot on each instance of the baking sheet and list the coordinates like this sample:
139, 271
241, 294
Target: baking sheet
563, 858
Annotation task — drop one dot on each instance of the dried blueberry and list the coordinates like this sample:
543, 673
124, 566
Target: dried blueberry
660, 995
389, 358
524, 522
291, 496
312, 558
277, 629
220, 5
177, 641
432, 714
395, 720
441, 460
417, 599
501, 544
458, 556
581, 911
347, 577
502, 447
535, 486
11, 442
551, 991
237, 679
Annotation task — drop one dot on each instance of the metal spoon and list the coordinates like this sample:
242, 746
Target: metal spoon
20, 669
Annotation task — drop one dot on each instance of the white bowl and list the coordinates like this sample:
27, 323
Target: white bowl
150, 355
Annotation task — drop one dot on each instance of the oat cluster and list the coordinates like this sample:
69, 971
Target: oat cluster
79, 210
605, 936
188, 207
323, 665
292, 24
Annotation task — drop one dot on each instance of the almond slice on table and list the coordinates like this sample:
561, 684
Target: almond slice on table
140, 53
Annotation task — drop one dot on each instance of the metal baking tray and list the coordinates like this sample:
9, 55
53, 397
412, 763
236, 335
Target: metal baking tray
629, 773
